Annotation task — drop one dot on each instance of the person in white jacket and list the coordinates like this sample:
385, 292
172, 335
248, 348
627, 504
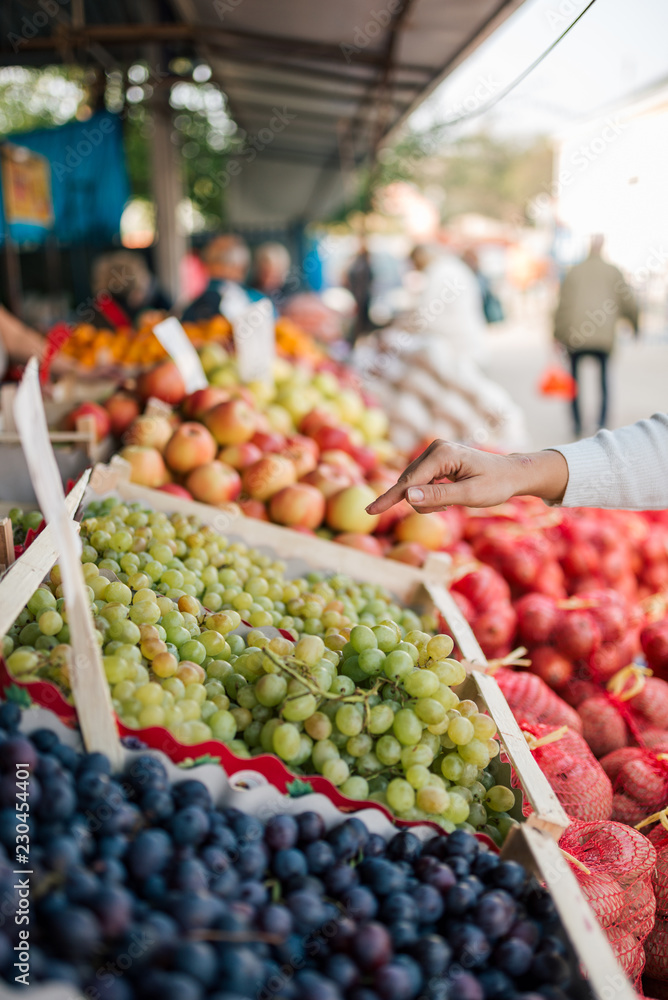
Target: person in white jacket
626, 469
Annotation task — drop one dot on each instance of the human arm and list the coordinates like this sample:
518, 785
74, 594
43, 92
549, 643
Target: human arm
624, 469
23, 343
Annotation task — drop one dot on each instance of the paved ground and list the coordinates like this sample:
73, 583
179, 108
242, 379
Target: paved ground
519, 350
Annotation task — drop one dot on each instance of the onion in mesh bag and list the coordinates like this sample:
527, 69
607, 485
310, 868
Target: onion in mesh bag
530, 698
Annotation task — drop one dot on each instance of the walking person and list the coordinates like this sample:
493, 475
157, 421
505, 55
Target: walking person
594, 296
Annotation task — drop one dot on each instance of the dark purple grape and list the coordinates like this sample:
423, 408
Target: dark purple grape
404, 846
382, 876
226, 885
484, 865
393, 982
429, 904
371, 947
161, 985
255, 893
433, 954
496, 913
403, 935
399, 907
375, 846
189, 875
460, 865
61, 972
147, 772
10, 715
149, 853
549, 967
363, 994
549, 942
509, 875
113, 908
319, 856
313, 986
360, 903
344, 932
240, 969
311, 826
189, 826
113, 846
67, 756
98, 762
539, 903
44, 739
81, 885
192, 910
462, 844
197, 959
345, 841
191, 793
340, 878
460, 898
276, 919
287, 863
496, 985
281, 833
464, 986
62, 853
527, 931
17, 750
342, 970
157, 805
74, 933
470, 946
108, 987
513, 957
307, 911
247, 829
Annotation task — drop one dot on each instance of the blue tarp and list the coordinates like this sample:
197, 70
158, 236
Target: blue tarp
89, 181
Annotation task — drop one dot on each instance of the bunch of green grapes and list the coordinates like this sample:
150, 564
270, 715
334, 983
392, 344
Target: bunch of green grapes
23, 522
361, 692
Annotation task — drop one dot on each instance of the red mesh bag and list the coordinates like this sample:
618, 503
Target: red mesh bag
530, 698
639, 778
614, 866
631, 706
656, 950
578, 780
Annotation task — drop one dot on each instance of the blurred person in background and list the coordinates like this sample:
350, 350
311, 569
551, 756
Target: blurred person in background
227, 260
594, 296
271, 266
359, 279
126, 293
491, 306
19, 343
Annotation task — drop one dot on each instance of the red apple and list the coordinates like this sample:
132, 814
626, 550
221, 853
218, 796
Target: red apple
244, 393
346, 510
122, 409
267, 476
176, 490
147, 467
94, 410
427, 529
240, 455
332, 438
268, 441
191, 445
343, 460
411, 553
254, 508
232, 422
303, 451
365, 543
164, 382
314, 420
328, 479
214, 483
200, 402
365, 457
298, 504
150, 431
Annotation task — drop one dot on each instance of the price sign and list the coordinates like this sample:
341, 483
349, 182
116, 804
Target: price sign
255, 342
174, 339
89, 684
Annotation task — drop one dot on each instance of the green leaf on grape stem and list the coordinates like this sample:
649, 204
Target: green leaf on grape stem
297, 788
206, 758
17, 694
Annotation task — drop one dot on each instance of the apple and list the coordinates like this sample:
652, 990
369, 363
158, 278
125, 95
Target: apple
303, 451
269, 441
298, 505
330, 438
122, 409
346, 510
94, 410
232, 422
147, 467
240, 455
190, 445
427, 529
267, 476
329, 479
314, 420
199, 402
343, 460
365, 543
214, 483
278, 419
176, 490
255, 509
243, 392
411, 553
212, 356
164, 382
150, 431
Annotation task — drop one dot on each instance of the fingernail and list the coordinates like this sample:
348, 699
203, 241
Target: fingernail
415, 495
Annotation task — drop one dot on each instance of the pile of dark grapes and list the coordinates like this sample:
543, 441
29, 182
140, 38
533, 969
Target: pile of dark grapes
143, 889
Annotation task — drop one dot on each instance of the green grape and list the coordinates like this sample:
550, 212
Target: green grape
342, 685
386, 637
432, 799
460, 730
299, 709
381, 718
475, 753
118, 593
388, 750
271, 689
439, 647
484, 728
400, 795
407, 727
421, 683
22, 661
336, 771
363, 638
368, 764
358, 746
30, 633
192, 650
349, 720
40, 601
323, 750
430, 711
500, 799
318, 726
371, 660
449, 672
286, 741
457, 810
355, 787
417, 775
420, 753
452, 767
398, 664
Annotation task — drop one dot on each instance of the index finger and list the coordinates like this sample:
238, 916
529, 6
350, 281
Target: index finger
424, 469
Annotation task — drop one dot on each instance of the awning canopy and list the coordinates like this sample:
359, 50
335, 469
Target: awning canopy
316, 85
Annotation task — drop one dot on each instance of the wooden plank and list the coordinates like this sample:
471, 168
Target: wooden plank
25, 575
548, 813
460, 629
534, 848
7, 555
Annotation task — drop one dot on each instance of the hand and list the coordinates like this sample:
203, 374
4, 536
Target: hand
478, 478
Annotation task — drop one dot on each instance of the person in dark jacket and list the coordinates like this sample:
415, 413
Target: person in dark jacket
227, 260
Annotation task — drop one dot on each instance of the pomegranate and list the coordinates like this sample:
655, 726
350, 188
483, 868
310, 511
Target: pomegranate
536, 617
551, 666
576, 634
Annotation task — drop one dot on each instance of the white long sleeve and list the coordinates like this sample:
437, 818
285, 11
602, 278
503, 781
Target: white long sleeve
626, 469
